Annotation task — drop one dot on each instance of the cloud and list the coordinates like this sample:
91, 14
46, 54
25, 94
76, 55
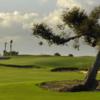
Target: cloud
53, 17
16, 26
44, 1
90, 2
88, 5
67, 3
10, 18
8, 38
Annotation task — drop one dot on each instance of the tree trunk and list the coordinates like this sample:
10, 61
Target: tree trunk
90, 80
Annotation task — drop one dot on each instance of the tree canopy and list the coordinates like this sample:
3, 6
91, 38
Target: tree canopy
83, 24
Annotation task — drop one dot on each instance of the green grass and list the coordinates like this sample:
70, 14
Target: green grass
20, 84
53, 61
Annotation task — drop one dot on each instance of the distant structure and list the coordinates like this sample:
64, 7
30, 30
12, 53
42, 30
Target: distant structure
11, 42
5, 46
11, 52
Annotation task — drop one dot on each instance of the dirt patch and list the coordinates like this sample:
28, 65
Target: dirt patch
63, 69
20, 66
63, 86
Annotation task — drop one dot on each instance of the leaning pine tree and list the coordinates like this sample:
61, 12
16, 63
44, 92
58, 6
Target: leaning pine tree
85, 26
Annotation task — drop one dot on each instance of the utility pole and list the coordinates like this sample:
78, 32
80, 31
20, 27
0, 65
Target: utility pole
11, 42
5, 48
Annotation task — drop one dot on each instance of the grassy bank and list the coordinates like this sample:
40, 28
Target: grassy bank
50, 61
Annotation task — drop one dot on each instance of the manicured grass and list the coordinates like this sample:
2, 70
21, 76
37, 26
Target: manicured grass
51, 61
20, 84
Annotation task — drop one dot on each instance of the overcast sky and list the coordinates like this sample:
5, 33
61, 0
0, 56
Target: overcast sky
18, 16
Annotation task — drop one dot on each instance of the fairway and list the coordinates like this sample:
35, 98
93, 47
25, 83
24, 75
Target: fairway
49, 49
20, 83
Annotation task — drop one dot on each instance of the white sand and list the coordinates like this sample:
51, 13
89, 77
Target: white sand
85, 72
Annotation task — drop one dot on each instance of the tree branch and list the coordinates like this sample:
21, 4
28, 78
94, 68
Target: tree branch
46, 33
72, 38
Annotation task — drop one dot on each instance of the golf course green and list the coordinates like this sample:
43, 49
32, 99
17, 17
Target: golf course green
20, 83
